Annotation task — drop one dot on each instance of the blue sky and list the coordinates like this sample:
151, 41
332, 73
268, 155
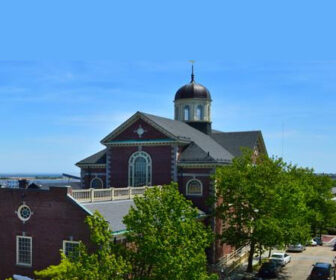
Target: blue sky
71, 71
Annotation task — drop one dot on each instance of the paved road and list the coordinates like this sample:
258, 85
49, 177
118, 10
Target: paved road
301, 265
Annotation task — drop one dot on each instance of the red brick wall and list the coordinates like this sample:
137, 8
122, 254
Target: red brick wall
56, 217
89, 174
161, 164
221, 249
150, 132
199, 201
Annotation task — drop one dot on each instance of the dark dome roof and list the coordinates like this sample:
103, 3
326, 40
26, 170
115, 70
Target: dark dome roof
193, 90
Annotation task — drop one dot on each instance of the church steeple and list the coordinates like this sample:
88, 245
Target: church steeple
192, 104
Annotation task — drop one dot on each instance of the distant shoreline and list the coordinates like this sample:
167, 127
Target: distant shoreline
31, 176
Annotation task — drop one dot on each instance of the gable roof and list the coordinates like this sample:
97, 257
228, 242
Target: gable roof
180, 132
204, 147
220, 147
234, 141
97, 158
194, 153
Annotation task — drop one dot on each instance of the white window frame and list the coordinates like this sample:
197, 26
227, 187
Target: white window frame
200, 109
101, 181
186, 109
23, 219
68, 241
187, 187
18, 237
131, 161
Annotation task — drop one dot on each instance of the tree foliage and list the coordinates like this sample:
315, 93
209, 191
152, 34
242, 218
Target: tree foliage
166, 240
265, 201
322, 210
170, 240
107, 262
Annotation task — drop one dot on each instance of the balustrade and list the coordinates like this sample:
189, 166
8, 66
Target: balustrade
94, 195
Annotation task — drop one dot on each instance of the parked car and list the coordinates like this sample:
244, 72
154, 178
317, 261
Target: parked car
282, 258
312, 242
296, 248
318, 240
321, 271
334, 248
269, 270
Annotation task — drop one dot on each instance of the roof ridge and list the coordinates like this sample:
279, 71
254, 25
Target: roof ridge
183, 130
240, 131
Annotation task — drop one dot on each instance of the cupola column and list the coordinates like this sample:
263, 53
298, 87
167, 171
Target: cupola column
192, 105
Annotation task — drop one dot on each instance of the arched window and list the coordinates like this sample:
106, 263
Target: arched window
140, 169
186, 113
194, 187
199, 113
96, 183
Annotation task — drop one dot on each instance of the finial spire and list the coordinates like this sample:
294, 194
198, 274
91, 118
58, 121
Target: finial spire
192, 70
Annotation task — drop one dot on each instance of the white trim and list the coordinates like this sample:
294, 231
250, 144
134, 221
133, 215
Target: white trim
158, 142
187, 187
202, 165
81, 205
68, 241
186, 113
101, 181
92, 165
23, 219
195, 174
199, 108
131, 161
86, 173
108, 167
18, 237
129, 122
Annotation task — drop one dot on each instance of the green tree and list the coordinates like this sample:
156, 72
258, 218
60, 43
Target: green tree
105, 263
169, 239
322, 210
262, 203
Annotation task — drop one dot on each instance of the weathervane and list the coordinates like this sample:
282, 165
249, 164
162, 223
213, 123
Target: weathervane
192, 70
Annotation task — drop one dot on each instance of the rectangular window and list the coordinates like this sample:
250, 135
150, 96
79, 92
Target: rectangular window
70, 248
24, 250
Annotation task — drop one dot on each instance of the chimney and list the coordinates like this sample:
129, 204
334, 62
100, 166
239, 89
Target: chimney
23, 183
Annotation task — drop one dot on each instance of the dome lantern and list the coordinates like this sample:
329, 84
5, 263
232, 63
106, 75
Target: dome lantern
192, 105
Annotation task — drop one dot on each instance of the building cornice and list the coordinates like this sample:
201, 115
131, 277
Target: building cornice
93, 165
202, 164
142, 142
129, 122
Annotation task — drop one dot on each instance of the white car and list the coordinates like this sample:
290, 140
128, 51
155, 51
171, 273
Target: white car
312, 242
296, 248
281, 258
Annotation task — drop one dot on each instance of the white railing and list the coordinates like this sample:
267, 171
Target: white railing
93, 195
236, 255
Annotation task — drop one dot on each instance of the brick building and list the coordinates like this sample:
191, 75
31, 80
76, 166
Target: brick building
145, 150
153, 150
37, 223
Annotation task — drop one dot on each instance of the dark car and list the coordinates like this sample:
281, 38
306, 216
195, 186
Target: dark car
321, 271
318, 240
269, 270
334, 246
